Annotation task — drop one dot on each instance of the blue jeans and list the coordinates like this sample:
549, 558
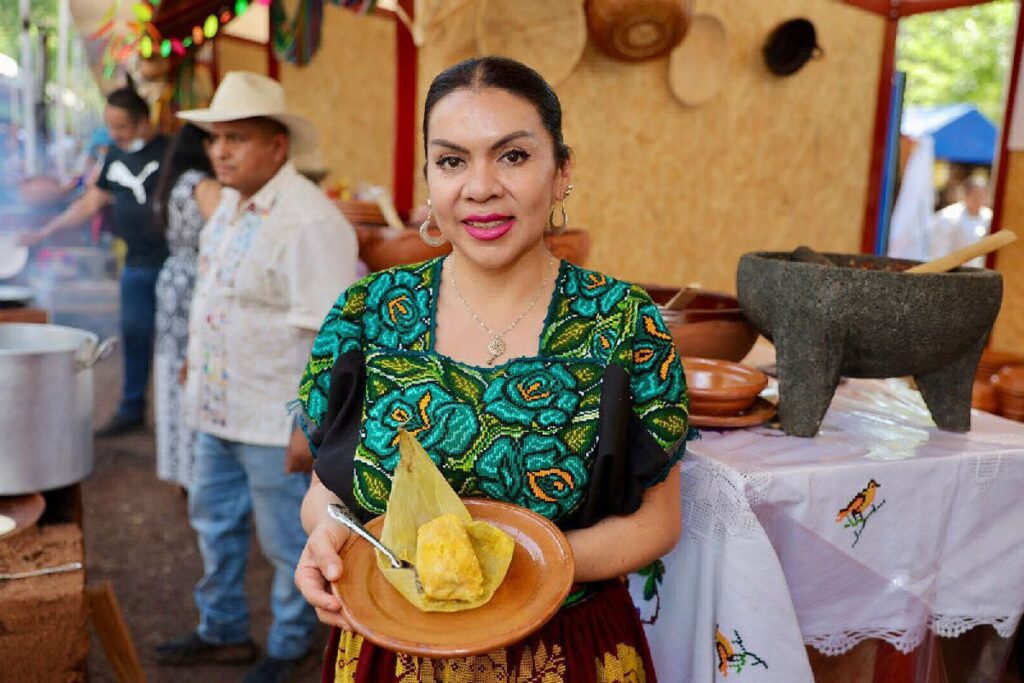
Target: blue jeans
234, 482
138, 321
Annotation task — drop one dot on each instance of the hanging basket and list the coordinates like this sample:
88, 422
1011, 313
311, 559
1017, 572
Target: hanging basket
634, 30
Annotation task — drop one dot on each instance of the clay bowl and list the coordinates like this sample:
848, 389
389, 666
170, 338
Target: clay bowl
383, 247
573, 245
984, 397
711, 326
359, 211
993, 361
717, 387
1009, 387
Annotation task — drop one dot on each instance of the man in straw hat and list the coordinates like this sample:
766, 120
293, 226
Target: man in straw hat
272, 259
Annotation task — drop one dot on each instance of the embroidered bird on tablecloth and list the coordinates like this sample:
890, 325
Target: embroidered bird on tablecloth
860, 503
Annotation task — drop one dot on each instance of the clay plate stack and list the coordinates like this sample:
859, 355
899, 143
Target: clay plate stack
724, 394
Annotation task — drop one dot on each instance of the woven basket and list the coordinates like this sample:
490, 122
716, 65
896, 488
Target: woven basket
634, 30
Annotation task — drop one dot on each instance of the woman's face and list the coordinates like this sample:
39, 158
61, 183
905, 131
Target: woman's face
491, 174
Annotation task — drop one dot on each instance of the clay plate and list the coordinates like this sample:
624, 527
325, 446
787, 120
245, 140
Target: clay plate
758, 413
24, 510
537, 582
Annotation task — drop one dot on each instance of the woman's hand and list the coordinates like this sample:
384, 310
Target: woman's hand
319, 565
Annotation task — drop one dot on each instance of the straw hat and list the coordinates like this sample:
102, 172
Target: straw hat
245, 95
698, 67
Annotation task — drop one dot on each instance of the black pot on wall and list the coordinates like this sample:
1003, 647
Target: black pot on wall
790, 46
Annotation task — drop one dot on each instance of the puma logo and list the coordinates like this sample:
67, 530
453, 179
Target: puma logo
120, 174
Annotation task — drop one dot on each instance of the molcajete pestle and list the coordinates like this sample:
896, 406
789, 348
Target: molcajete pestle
862, 317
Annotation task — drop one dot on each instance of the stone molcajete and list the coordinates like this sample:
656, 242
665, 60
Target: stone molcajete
862, 317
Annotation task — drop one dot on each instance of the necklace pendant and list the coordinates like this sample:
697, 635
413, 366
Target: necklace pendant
495, 347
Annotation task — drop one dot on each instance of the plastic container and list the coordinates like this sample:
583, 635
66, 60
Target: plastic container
67, 264
94, 306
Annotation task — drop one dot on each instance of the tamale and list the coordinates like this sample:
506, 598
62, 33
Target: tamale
446, 561
419, 496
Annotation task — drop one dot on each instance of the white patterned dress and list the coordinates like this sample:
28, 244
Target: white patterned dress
174, 438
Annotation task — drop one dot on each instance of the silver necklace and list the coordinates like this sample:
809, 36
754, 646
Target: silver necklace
496, 346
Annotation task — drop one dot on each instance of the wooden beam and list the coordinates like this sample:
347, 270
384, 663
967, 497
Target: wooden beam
1003, 153
403, 161
883, 107
907, 9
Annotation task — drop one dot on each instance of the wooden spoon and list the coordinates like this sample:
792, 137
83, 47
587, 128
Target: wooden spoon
962, 256
682, 297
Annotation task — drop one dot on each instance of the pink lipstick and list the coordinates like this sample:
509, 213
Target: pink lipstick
489, 226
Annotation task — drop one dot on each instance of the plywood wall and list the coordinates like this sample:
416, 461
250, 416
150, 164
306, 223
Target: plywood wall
240, 55
348, 91
675, 194
1008, 334
670, 194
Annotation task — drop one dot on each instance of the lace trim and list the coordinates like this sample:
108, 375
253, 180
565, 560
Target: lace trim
714, 505
952, 625
942, 625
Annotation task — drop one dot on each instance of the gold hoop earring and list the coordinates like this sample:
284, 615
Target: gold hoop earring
425, 235
556, 228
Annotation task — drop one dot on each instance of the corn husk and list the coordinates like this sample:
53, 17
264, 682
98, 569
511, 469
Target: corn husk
420, 494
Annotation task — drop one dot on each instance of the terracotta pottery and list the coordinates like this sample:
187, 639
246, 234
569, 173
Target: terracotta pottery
718, 387
573, 245
759, 412
382, 247
359, 211
633, 30
25, 510
984, 397
537, 582
710, 326
993, 361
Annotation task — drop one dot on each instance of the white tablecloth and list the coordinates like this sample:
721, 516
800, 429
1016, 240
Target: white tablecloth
882, 527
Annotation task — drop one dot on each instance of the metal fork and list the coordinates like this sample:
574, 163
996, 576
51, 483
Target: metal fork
344, 516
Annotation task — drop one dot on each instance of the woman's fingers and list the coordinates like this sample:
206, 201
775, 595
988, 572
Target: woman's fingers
314, 588
324, 544
318, 566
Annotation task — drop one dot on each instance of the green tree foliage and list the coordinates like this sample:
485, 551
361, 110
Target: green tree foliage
960, 55
44, 13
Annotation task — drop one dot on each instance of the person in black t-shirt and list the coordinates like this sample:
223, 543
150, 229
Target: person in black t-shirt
127, 183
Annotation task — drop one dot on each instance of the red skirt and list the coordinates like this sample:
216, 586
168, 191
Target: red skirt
599, 639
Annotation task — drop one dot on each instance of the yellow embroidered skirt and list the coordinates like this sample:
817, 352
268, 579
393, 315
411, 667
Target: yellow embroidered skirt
599, 639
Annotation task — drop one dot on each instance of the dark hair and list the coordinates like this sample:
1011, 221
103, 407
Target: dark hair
509, 75
130, 100
185, 153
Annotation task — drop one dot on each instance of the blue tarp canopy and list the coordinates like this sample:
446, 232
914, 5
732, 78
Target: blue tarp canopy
961, 133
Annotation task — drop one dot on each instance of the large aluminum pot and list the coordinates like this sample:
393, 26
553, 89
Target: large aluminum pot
46, 405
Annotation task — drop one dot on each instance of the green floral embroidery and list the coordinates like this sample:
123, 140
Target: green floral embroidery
656, 368
444, 426
537, 472
592, 293
533, 393
525, 431
397, 309
339, 334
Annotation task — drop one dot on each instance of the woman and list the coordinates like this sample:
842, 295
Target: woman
526, 379
186, 197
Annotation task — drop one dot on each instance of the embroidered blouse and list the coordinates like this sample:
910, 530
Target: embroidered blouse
576, 433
